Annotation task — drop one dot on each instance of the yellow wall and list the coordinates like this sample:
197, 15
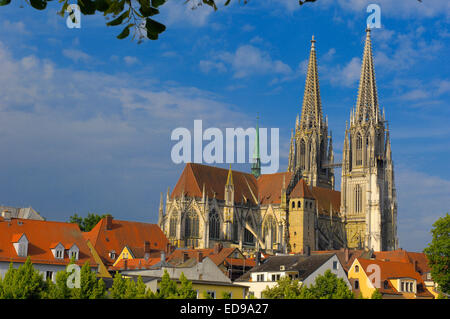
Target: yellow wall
365, 287
125, 253
299, 220
236, 292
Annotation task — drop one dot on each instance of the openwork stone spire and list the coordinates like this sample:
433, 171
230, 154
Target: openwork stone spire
367, 108
312, 106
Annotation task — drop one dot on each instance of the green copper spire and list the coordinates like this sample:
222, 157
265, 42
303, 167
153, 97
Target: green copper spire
256, 166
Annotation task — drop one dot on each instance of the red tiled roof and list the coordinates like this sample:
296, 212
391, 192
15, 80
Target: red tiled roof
418, 260
177, 256
395, 270
241, 262
137, 263
125, 233
324, 197
41, 235
301, 190
196, 175
352, 255
269, 187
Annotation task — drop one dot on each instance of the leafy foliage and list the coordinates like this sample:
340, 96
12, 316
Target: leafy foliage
376, 295
24, 282
129, 13
90, 287
86, 224
326, 286
438, 253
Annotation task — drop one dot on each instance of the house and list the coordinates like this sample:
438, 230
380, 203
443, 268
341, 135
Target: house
114, 240
49, 245
394, 279
304, 268
20, 212
201, 270
230, 260
347, 256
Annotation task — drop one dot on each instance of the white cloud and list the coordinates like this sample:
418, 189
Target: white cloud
130, 60
346, 75
180, 13
248, 60
15, 27
76, 55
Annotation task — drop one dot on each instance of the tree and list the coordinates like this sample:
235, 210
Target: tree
59, 289
226, 295
185, 291
117, 290
376, 295
329, 286
285, 288
326, 286
131, 14
22, 283
86, 224
90, 287
438, 253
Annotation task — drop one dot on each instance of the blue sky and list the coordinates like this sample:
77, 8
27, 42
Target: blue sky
85, 119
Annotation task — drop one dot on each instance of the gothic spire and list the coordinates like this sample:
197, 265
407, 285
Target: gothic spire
312, 106
256, 166
367, 108
230, 178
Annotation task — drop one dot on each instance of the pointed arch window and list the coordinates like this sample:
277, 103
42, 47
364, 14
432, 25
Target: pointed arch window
359, 142
302, 154
248, 236
358, 199
173, 225
270, 232
214, 225
191, 225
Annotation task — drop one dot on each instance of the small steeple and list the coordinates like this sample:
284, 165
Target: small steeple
256, 166
161, 210
230, 177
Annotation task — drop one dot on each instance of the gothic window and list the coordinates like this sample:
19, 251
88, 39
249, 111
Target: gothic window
270, 231
191, 225
173, 225
293, 204
358, 199
214, 225
235, 230
248, 236
358, 150
302, 154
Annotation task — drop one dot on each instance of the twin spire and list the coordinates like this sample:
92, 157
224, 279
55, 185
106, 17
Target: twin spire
367, 109
312, 105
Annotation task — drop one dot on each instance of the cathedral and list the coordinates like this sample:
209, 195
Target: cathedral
297, 210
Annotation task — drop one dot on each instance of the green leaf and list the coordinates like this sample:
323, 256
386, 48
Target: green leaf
101, 5
87, 6
38, 4
4, 2
125, 32
157, 3
148, 11
154, 27
119, 19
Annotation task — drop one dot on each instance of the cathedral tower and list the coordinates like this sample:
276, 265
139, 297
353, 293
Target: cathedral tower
368, 199
309, 151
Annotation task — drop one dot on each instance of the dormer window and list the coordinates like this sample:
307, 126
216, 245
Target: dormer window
74, 252
58, 250
20, 242
112, 254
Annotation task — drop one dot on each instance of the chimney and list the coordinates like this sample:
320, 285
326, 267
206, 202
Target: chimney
6, 214
217, 248
163, 256
109, 220
185, 257
346, 255
199, 257
147, 247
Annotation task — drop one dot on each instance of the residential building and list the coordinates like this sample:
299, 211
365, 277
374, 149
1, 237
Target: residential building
20, 212
49, 245
393, 279
304, 268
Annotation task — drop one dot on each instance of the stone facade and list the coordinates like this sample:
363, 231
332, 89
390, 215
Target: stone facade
298, 210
